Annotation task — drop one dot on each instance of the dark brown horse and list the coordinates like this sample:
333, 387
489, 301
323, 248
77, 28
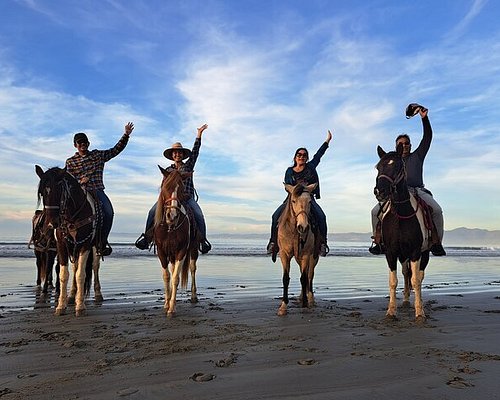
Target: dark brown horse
176, 238
404, 234
44, 246
71, 212
296, 239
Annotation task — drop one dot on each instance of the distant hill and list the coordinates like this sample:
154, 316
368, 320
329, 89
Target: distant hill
455, 237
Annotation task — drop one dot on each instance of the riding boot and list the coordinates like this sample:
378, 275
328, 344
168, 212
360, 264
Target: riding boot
377, 247
205, 246
324, 249
272, 247
436, 247
144, 241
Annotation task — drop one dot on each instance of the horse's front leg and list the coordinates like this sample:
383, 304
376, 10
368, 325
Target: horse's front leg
393, 284
175, 283
63, 290
285, 262
96, 262
192, 269
416, 281
310, 277
74, 285
80, 263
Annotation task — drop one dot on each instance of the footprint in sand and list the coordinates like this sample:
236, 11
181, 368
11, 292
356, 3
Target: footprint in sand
459, 383
202, 377
307, 361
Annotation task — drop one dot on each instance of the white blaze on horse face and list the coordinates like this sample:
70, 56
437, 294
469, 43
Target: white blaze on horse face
172, 207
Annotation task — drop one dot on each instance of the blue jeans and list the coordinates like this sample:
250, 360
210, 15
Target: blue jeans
198, 216
108, 214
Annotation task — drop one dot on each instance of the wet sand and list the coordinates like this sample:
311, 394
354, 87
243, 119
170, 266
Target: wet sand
230, 347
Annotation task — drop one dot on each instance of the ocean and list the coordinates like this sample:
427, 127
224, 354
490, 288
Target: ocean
238, 268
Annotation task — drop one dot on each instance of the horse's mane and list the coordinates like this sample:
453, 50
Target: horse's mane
54, 174
170, 181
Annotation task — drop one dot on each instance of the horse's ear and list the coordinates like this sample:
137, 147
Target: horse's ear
39, 171
289, 188
310, 188
380, 152
163, 170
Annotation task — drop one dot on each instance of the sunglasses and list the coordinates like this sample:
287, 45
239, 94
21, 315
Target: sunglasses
301, 155
80, 142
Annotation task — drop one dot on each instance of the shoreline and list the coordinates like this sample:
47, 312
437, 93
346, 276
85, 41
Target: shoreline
227, 348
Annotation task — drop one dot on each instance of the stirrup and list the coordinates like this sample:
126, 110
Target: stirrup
205, 246
142, 243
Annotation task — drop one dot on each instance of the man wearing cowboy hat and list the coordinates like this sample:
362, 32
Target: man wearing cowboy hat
178, 154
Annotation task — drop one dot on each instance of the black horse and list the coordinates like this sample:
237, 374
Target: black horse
72, 213
44, 246
404, 234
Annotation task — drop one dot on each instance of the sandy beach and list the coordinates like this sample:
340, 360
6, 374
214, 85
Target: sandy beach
229, 347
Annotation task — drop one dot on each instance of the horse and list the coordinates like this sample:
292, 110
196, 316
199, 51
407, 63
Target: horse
176, 237
44, 247
71, 212
297, 239
404, 232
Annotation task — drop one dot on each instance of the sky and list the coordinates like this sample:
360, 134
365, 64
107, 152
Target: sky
267, 77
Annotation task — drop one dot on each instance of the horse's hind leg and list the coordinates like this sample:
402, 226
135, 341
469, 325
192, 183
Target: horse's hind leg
72, 292
96, 262
407, 279
192, 269
80, 283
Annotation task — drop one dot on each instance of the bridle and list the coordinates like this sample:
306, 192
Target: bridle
172, 203
394, 182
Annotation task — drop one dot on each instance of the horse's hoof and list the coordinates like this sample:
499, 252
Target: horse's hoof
194, 300
170, 314
98, 298
391, 317
60, 311
71, 300
282, 311
406, 304
420, 319
81, 313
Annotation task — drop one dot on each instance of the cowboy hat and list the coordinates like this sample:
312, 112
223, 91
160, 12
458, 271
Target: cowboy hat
177, 146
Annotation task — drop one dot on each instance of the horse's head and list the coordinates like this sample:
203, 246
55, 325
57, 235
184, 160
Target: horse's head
51, 193
172, 194
391, 172
300, 204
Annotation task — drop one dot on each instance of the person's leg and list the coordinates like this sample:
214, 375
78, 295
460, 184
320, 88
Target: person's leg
107, 223
438, 220
376, 247
321, 220
272, 247
144, 241
205, 245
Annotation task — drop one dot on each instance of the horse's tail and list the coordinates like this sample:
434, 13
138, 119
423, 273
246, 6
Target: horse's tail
88, 273
185, 271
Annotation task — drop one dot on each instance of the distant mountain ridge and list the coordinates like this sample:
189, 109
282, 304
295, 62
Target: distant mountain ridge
455, 237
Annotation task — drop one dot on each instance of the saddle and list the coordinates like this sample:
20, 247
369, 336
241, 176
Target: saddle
426, 214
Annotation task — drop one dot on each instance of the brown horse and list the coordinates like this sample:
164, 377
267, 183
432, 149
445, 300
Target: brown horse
297, 239
404, 233
176, 238
44, 246
71, 212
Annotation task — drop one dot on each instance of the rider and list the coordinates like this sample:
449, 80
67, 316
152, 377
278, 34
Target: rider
88, 167
177, 154
303, 172
414, 164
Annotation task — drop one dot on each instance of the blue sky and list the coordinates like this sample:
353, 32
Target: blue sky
267, 77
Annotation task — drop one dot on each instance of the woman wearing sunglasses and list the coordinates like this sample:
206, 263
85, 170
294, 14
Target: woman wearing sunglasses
303, 171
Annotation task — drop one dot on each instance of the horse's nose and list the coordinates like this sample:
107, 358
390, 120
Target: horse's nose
302, 228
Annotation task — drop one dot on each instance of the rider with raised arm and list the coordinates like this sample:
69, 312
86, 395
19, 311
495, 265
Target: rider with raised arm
88, 168
414, 164
304, 172
177, 154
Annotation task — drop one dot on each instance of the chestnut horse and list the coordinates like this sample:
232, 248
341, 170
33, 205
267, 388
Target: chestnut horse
176, 238
71, 212
404, 234
44, 246
297, 239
